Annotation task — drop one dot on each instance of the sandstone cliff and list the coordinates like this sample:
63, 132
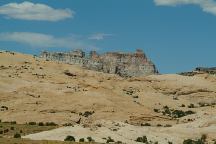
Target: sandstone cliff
123, 64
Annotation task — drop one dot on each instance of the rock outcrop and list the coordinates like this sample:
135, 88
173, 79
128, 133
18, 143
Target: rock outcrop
123, 64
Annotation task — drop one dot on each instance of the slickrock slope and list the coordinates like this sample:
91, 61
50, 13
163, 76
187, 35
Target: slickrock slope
162, 107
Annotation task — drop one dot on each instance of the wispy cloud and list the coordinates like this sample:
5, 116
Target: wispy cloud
31, 11
99, 36
208, 6
39, 40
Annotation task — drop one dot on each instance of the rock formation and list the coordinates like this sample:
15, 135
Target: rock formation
123, 64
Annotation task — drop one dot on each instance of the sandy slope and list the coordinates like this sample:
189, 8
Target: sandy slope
38, 90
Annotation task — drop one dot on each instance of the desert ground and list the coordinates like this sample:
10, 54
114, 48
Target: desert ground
167, 108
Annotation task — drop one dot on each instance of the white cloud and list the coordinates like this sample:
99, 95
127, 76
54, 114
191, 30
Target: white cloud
99, 36
39, 40
31, 11
208, 6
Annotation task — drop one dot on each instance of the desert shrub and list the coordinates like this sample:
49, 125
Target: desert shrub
189, 112
51, 124
11, 128
21, 131
88, 113
202, 140
142, 139
4, 107
146, 124
156, 110
6, 130
32, 123
13, 122
68, 73
159, 125
135, 96
82, 140
1, 132
68, 124
183, 105
118, 142
41, 124
17, 135
110, 140
169, 142
168, 125
90, 139
191, 106
178, 113
202, 104
69, 138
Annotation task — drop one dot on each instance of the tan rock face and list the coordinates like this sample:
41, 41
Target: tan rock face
32, 89
123, 64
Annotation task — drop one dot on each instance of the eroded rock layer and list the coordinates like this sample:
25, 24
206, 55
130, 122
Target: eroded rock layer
123, 64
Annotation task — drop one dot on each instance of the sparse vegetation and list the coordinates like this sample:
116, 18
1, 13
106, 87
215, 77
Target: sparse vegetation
176, 113
202, 140
10, 129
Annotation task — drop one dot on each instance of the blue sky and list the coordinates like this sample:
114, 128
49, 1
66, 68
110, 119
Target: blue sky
177, 35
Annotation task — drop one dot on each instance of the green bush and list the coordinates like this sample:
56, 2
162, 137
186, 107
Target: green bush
70, 138
17, 135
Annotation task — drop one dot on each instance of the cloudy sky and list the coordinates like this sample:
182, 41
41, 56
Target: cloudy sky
177, 35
